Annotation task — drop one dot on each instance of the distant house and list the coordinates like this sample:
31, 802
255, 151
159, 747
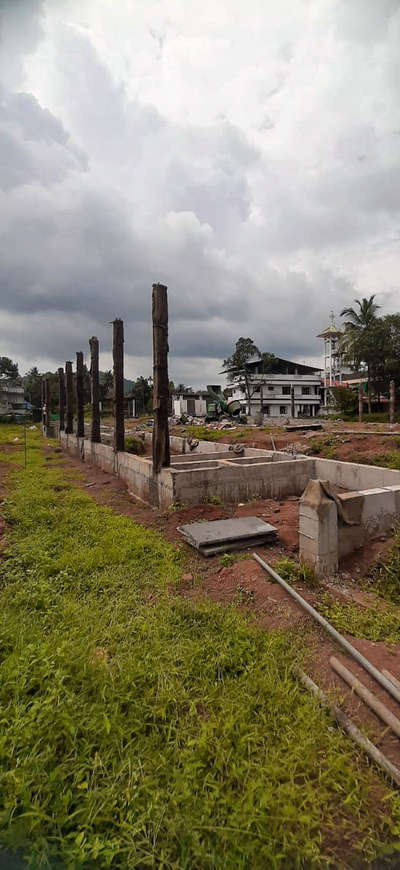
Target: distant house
289, 389
12, 399
191, 404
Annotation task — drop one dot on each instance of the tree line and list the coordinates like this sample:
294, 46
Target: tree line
140, 389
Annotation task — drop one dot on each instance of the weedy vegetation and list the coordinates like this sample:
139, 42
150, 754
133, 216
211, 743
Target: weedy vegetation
296, 572
140, 729
368, 622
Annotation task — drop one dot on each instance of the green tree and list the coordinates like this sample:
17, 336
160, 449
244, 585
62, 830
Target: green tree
143, 393
357, 342
237, 366
105, 384
32, 382
8, 368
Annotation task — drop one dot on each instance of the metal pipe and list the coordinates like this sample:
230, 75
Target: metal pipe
368, 697
391, 677
378, 676
369, 748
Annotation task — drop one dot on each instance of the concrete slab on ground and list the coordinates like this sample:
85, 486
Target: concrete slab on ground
219, 536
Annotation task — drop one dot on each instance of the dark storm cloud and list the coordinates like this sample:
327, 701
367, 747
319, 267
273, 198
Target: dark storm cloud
101, 194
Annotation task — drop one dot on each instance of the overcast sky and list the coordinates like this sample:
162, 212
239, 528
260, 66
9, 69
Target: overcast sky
246, 154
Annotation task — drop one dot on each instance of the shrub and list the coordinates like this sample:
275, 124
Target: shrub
134, 445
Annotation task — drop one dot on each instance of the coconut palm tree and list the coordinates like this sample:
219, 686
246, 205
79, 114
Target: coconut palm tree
357, 333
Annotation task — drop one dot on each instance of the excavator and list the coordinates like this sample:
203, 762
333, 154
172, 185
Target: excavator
220, 409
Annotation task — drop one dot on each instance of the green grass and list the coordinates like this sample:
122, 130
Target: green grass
140, 729
366, 622
376, 417
296, 572
390, 459
385, 578
204, 434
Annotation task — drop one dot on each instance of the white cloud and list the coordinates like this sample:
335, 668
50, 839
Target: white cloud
245, 154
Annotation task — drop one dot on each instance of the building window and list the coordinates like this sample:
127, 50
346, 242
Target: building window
285, 391
283, 410
316, 391
305, 391
270, 388
266, 410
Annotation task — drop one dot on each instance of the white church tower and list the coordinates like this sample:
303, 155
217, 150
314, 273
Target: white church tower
333, 358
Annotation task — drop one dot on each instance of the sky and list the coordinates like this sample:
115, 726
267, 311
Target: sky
244, 154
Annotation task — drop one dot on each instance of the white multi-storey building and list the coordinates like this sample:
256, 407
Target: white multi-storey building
289, 389
12, 399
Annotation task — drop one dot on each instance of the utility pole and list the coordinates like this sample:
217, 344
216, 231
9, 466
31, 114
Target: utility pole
70, 398
118, 384
161, 452
94, 389
80, 424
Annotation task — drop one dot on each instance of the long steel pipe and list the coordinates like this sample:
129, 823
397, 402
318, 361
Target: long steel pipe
378, 676
371, 750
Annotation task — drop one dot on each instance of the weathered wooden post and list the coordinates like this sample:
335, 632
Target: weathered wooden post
292, 408
46, 404
161, 454
80, 420
43, 404
61, 399
392, 401
95, 436
118, 384
70, 398
360, 403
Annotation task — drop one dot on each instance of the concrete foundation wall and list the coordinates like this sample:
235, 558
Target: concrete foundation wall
325, 536
233, 483
352, 476
135, 471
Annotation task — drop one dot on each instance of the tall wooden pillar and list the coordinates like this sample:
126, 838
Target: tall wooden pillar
46, 403
392, 401
161, 453
118, 384
360, 403
61, 399
43, 404
80, 423
70, 398
94, 389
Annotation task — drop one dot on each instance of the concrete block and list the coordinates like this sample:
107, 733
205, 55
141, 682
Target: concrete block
379, 510
352, 503
396, 491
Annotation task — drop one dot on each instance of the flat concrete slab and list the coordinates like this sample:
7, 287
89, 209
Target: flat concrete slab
219, 536
299, 427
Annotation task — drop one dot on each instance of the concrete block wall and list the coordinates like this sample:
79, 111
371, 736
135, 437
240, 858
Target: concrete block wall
233, 483
353, 476
135, 471
318, 530
324, 537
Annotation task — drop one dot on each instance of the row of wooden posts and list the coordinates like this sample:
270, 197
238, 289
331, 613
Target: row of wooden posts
160, 443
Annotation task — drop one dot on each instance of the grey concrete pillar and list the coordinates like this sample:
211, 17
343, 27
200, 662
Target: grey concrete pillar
318, 530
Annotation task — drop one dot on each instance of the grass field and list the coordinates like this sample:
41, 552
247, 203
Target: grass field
139, 729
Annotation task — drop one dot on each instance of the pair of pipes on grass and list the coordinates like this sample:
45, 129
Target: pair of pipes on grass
386, 680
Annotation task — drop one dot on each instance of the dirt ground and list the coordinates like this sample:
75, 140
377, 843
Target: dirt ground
336, 439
